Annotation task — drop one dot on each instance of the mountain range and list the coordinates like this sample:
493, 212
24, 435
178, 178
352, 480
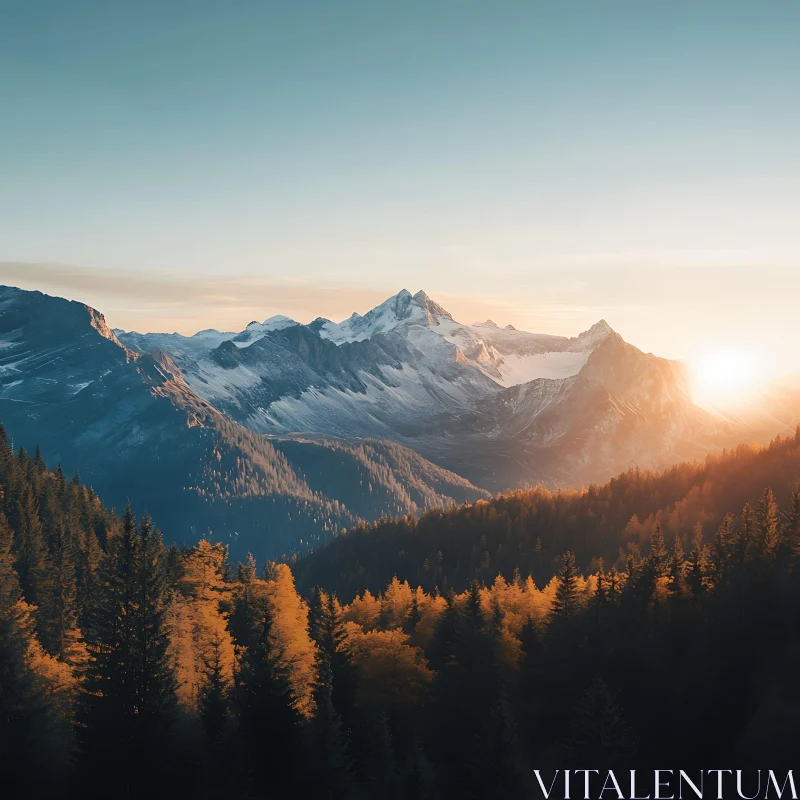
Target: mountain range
135, 429
278, 436
502, 407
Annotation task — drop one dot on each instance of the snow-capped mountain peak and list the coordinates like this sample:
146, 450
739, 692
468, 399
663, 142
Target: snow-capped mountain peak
591, 338
402, 309
257, 330
506, 355
433, 311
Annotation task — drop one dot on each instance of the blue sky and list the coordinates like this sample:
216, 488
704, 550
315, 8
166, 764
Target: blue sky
188, 164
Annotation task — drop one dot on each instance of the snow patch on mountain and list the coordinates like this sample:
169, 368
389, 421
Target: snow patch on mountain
203, 341
517, 369
506, 355
257, 330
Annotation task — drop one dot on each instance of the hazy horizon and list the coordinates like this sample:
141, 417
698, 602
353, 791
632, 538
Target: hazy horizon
540, 165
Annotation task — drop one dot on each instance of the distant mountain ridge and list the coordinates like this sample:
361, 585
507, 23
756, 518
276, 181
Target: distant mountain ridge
501, 406
130, 422
280, 435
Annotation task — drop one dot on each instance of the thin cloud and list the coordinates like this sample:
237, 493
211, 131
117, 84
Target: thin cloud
142, 299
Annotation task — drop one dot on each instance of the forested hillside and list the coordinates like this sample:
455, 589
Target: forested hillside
527, 531
132, 669
137, 431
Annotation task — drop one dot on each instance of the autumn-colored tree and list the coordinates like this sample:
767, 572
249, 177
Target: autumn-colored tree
201, 646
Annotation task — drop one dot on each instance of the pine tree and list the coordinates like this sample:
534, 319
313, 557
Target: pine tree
698, 566
213, 701
9, 582
745, 535
269, 725
497, 761
639, 582
332, 763
565, 603
600, 593
599, 732
474, 604
414, 617
38, 462
384, 778
658, 560
613, 586
108, 713
243, 622
343, 674
725, 544
24, 719
677, 568
420, 778
155, 685
792, 528
63, 637
767, 526
31, 552
318, 623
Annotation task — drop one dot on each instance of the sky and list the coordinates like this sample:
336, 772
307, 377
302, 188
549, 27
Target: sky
189, 164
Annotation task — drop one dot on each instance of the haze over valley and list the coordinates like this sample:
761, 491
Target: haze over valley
276, 437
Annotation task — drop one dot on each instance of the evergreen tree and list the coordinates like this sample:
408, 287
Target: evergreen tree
318, 624
497, 763
599, 732
155, 684
213, 698
332, 763
24, 718
62, 635
384, 781
725, 547
792, 529
745, 535
768, 526
414, 617
38, 462
677, 569
565, 603
601, 592
269, 725
658, 560
343, 675
420, 780
31, 563
698, 566
108, 712
613, 586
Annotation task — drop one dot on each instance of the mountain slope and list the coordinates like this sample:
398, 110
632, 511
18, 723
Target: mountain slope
503, 407
529, 530
131, 424
623, 408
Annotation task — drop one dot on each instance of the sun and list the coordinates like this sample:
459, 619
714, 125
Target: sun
724, 377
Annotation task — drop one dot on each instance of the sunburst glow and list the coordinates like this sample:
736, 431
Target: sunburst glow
725, 377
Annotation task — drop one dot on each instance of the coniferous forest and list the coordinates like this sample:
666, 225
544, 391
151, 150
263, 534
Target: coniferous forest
130, 668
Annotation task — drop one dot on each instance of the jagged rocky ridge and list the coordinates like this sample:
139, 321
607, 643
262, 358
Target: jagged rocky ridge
503, 407
131, 423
